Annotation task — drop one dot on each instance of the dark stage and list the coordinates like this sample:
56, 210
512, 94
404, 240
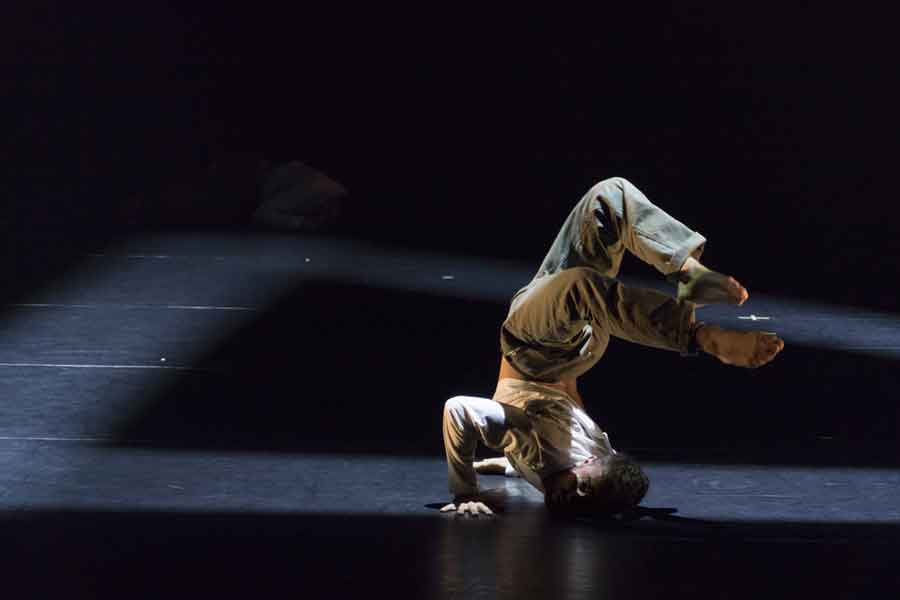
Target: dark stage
193, 404
173, 416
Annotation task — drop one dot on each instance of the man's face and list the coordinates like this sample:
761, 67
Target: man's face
573, 486
560, 489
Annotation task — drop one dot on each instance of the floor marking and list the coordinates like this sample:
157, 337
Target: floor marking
746, 495
13, 438
755, 318
83, 366
99, 440
842, 318
867, 347
95, 254
148, 306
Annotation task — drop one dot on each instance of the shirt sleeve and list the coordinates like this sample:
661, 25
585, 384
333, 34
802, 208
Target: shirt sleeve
466, 421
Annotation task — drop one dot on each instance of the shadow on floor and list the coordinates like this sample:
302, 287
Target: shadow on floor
150, 554
333, 367
330, 367
31, 260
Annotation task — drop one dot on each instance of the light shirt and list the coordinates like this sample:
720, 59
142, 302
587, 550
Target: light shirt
540, 429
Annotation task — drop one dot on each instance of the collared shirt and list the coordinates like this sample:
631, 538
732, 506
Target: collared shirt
539, 428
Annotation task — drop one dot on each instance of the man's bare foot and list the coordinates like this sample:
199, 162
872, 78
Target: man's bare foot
703, 286
749, 349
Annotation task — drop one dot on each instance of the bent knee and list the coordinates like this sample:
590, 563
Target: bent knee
616, 182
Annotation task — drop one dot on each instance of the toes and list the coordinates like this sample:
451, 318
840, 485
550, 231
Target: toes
775, 344
738, 292
768, 346
747, 349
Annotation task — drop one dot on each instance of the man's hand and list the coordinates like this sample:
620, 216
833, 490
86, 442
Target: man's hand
468, 506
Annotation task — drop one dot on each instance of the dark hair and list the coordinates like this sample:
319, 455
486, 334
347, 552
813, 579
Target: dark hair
623, 485
620, 485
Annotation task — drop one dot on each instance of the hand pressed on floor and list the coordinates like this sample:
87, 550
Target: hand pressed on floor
468, 507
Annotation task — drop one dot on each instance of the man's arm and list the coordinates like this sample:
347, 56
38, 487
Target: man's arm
495, 466
466, 421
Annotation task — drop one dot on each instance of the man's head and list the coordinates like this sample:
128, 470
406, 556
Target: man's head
606, 486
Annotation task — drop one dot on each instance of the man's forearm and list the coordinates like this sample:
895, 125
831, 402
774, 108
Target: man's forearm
460, 442
468, 420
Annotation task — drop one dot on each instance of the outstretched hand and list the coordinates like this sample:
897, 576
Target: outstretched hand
471, 507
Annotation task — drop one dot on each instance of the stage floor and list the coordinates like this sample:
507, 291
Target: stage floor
234, 413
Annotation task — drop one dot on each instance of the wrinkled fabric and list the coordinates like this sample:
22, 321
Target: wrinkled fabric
559, 325
540, 429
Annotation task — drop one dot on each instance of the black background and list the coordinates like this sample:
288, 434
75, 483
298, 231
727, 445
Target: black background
770, 129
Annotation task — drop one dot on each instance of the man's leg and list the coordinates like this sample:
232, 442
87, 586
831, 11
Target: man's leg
650, 318
615, 216
639, 315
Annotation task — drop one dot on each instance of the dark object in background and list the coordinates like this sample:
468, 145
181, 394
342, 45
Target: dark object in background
297, 197
235, 188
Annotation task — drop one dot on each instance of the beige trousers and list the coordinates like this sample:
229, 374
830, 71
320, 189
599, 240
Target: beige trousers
560, 323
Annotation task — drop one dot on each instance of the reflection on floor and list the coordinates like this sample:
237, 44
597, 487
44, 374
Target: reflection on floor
243, 413
76, 475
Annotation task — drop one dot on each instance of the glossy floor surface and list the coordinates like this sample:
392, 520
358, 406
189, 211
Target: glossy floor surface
207, 414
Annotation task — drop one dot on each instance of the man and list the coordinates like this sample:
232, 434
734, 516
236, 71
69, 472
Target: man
558, 327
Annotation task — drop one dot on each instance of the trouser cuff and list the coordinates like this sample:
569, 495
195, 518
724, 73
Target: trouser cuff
693, 246
687, 344
693, 348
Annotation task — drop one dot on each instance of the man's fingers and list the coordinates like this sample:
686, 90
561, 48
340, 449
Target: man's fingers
473, 509
485, 509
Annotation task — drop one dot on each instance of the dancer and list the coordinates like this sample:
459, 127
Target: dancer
558, 327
